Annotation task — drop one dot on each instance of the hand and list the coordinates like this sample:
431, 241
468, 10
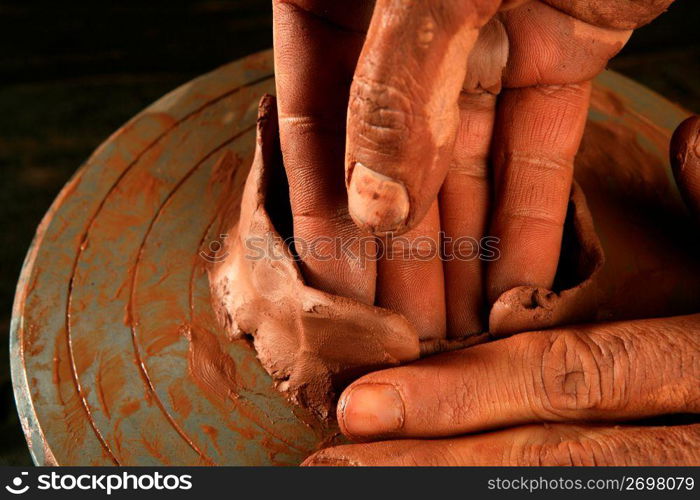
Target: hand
418, 83
623, 371
604, 373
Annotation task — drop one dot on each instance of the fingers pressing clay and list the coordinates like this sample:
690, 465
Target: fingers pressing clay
410, 277
538, 133
312, 343
580, 271
535, 445
403, 113
616, 14
685, 160
610, 371
316, 49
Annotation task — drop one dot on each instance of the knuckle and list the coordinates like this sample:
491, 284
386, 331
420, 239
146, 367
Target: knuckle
675, 445
572, 447
460, 404
580, 452
466, 402
382, 115
525, 454
534, 188
690, 447
538, 167
475, 167
454, 406
580, 372
533, 220
566, 92
677, 348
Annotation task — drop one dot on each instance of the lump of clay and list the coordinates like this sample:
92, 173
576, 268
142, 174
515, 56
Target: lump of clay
313, 343
309, 341
573, 298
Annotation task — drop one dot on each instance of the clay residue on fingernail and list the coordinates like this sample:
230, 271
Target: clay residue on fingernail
377, 202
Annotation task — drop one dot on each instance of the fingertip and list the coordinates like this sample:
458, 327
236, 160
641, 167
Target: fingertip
685, 160
685, 144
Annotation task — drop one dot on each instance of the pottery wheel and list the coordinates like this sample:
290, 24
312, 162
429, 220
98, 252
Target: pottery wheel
113, 306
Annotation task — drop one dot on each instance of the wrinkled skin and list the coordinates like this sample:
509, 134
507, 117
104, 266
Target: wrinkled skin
462, 116
465, 116
565, 378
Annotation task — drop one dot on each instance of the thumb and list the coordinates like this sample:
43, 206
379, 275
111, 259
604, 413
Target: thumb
403, 112
685, 161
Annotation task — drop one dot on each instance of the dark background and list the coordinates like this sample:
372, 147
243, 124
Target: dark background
71, 73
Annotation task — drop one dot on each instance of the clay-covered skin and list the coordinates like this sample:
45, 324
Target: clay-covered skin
313, 343
567, 396
685, 160
564, 394
620, 14
529, 308
411, 97
649, 256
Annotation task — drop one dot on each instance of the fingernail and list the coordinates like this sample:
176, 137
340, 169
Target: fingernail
371, 409
377, 203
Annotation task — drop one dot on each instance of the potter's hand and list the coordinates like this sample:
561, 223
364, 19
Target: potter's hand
409, 80
569, 377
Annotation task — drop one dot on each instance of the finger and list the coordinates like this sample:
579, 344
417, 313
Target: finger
616, 14
550, 445
538, 133
685, 160
403, 114
410, 279
464, 199
464, 196
317, 44
626, 370
549, 47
